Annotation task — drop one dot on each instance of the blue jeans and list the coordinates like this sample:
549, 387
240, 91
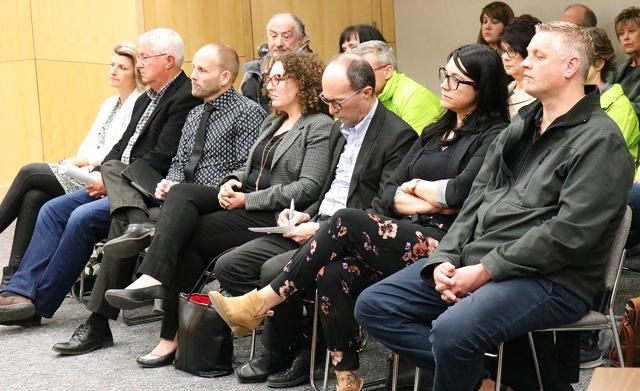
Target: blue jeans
406, 314
66, 230
634, 203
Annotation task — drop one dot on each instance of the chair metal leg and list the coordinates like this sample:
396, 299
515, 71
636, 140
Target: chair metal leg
616, 336
499, 371
416, 380
253, 345
395, 360
535, 359
314, 346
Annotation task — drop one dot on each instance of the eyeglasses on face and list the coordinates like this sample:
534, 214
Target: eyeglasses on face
452, 81
145, 59
512, 53
274, 80
336, 103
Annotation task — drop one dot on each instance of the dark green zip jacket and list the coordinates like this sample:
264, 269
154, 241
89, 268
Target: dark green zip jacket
556, 217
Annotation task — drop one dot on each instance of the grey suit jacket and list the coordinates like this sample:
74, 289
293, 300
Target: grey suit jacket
299, 167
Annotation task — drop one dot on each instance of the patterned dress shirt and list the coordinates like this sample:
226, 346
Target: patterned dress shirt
232, 129
336, 197
155, 98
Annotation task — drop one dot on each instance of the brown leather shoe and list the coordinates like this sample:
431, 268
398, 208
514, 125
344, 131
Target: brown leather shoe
15, 307
348, 381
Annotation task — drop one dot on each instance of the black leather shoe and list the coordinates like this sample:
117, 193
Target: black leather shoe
258, 369
296, 374
150, 361
32, 321
128, 299
84, 340
135, 238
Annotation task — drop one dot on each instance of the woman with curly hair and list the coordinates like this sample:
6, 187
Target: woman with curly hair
356, 248
287, 161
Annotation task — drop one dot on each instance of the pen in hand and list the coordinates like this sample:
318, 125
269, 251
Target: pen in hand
292, 209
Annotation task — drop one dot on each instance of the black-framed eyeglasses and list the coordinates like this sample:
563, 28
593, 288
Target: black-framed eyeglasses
274, 80
443, 75
512, 53
337, 104
145, 59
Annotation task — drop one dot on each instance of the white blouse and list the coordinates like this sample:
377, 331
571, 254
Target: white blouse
89, 148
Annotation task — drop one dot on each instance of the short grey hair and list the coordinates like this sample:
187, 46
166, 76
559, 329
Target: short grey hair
574, 40
382, 51
165, 40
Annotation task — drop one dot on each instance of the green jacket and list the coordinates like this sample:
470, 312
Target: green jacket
614, 102
557, 216
411, 101
629, 78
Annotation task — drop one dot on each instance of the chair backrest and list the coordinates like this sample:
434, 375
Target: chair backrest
615, 255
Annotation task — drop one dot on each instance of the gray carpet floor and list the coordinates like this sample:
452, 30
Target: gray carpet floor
30, 364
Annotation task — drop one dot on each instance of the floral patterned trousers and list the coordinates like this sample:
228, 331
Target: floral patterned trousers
351, 251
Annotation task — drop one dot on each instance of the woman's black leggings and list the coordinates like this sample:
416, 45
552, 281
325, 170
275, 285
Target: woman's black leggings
34, 185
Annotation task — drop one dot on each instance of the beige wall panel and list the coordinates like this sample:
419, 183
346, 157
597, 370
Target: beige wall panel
70, 95
324, 20
17, 40
199, 22
21, 142
426, 31
81, 30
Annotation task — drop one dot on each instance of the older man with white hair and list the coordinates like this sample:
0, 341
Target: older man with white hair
68, 226
399, 93
285, 33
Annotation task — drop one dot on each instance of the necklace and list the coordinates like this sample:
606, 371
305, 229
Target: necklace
272, 143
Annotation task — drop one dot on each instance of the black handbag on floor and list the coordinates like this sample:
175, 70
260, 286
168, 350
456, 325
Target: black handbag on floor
205, 347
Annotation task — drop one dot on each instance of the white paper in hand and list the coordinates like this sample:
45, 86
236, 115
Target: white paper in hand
78, 174
272, 230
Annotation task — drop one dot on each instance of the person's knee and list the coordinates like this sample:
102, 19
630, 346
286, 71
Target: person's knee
449, 337
31, 169
346, 215
223, 270
367, 310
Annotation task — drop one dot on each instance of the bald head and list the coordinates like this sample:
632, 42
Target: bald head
215, 68
348, 84
579, 14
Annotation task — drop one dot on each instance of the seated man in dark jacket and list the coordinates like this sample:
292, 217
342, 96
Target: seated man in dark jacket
528, 248
68, 226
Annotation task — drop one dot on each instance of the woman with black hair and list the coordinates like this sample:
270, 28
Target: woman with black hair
354, 35
514, 41
355, 248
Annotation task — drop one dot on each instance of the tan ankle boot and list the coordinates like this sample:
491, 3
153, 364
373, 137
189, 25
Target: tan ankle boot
239, 312
348, 381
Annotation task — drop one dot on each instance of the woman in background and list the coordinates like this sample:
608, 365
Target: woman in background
37, 183
493, 18
514, 41
354, 35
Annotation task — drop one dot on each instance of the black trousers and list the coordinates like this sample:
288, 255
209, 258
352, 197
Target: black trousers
191, 231
115, 273
34, 185
252, 266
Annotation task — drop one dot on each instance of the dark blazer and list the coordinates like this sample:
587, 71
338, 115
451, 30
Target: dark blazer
386, 142
160, 137
298, 167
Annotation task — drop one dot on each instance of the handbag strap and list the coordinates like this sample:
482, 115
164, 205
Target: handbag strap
208, 274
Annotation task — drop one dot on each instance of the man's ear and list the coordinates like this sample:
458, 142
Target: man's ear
572, 64
388, 71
